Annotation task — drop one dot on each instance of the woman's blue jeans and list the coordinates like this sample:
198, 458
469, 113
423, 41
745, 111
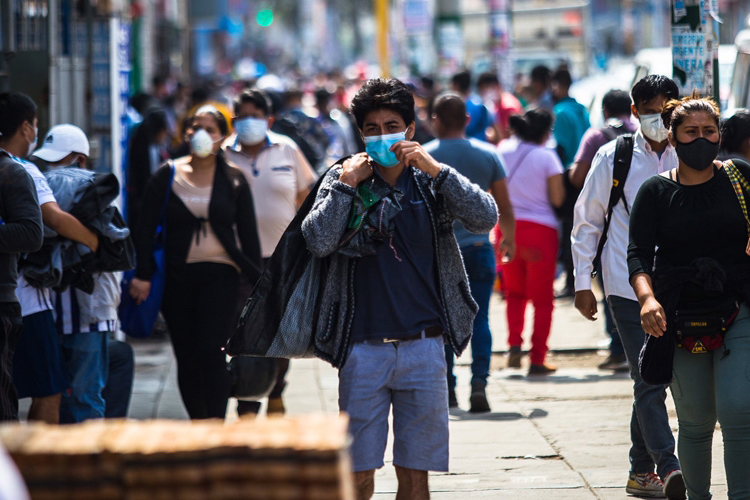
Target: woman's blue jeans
479, 260
707, 387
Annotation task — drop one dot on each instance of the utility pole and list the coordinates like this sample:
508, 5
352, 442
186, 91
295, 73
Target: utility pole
501, 41
449, 37
695, 46
382, 12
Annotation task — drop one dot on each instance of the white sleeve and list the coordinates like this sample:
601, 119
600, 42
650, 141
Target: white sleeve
43, 191
588, 217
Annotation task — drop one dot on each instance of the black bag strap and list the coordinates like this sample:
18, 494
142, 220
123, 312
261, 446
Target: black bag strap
623, 159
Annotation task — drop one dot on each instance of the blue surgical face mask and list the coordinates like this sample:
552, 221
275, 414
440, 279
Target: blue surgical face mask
379, 148
251, 131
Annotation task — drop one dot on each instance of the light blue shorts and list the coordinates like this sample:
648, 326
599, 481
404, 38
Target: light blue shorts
411, 376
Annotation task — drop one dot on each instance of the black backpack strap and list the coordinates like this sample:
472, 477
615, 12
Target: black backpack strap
623, 158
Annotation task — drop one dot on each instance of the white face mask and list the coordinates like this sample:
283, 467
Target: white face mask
32, 145
201, 144
653, 127
251, 131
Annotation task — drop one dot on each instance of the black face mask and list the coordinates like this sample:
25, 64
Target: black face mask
697, 154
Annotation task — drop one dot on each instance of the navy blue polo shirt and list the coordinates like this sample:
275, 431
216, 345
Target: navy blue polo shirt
396, 294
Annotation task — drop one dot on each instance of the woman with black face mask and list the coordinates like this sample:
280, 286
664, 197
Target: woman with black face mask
689, 264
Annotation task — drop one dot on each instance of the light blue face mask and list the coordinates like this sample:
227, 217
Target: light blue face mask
379, 148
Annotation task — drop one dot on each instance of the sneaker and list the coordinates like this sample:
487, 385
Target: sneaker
452, 400
647, 484
514, 357
478, 398
616, 362
674, 485
542, 369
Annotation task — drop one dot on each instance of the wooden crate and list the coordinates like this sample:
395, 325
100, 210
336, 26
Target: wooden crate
273, 459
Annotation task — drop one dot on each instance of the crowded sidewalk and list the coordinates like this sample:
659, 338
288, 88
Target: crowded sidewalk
561, 436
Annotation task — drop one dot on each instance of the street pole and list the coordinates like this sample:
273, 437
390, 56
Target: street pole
381, 15
695, 46
449, 37
501, 41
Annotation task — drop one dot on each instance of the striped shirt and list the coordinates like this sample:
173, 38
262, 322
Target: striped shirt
73, 308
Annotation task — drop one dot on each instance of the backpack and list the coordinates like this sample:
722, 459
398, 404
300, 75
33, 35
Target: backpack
623, 159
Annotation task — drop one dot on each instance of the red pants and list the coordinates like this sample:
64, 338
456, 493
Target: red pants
530, 276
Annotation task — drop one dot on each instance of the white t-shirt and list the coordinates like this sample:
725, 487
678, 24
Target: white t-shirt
276, 176
34, 300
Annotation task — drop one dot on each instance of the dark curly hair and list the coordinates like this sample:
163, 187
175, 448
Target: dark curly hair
651, 86
380, 93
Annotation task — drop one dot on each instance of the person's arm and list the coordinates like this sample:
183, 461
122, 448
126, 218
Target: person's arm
506, 220
325, 224
556, 190
68, 226
588, 224
653, 317
641, 251
144, 233
21, 227
577, 173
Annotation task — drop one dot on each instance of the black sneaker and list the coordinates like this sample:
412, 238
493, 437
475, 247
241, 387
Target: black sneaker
478, 398
674, 485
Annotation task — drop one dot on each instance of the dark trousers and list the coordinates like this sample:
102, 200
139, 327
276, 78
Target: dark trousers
119, 386
566, 252
11, 326
198, 306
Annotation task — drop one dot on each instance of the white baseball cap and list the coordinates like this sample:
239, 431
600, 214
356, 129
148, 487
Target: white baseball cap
60, 141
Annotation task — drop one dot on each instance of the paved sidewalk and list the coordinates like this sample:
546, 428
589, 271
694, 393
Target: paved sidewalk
564, 436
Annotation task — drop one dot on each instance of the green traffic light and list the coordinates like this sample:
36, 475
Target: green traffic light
264, 17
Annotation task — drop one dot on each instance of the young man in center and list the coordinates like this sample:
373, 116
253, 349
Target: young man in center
408, 292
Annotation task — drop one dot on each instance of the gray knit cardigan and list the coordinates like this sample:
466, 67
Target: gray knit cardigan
449, 196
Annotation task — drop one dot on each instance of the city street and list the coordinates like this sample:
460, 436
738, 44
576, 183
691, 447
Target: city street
563, 436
